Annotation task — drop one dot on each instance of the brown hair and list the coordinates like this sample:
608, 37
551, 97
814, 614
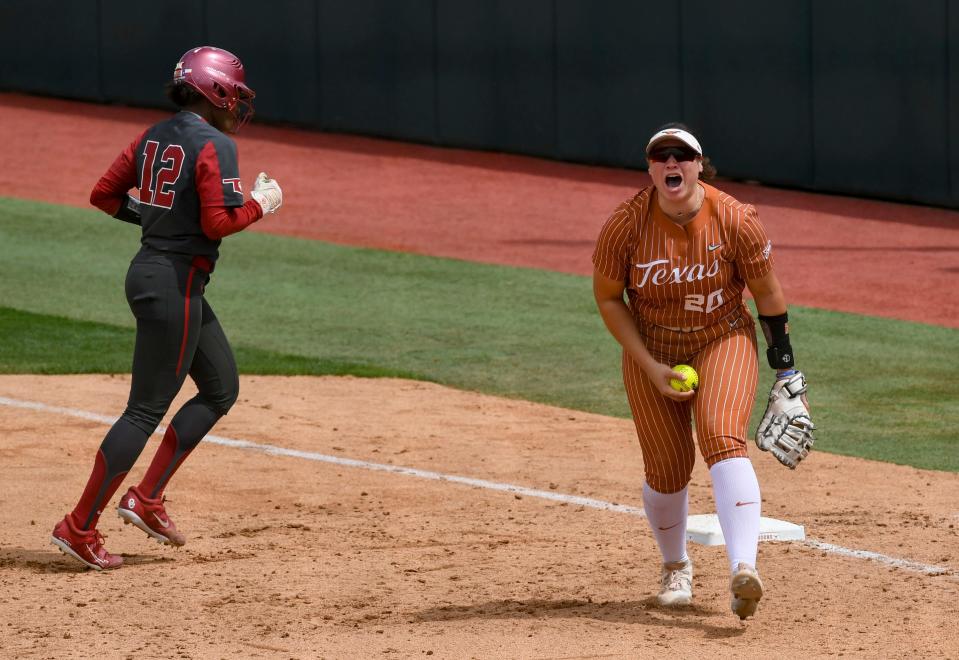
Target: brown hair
709, 171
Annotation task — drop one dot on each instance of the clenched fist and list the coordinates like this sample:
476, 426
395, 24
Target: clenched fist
267, 193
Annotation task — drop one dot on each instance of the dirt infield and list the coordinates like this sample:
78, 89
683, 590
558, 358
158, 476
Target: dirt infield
290, 557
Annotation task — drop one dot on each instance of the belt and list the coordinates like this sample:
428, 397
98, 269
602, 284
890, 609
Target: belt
733, 319
202, 263
199, 262
688, 328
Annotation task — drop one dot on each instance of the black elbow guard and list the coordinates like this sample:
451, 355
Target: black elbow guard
129, 211
780, 352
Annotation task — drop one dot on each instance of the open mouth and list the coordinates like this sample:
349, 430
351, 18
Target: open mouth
674, 181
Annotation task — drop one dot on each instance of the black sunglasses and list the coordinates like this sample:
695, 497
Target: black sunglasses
681, 154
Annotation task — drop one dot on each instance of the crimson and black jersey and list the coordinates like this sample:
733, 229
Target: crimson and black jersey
189, 187
189, 198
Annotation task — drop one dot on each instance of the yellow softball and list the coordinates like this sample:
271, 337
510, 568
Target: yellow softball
690, 382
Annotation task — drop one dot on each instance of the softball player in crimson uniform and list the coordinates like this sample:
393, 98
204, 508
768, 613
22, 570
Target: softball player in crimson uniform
190, 198
683, 252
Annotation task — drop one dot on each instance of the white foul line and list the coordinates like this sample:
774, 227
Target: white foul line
350, 462
928, 569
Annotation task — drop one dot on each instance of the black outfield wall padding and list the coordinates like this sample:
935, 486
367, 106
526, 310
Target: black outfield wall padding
50, 47
880, 98
746, 86
495, 75
377, 68
130, 73
613, 89
952, 99
857, 97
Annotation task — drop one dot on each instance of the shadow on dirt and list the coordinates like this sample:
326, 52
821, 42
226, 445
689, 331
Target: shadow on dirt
643, 612
54, 561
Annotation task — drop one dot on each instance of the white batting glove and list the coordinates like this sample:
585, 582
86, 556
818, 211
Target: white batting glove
267, 193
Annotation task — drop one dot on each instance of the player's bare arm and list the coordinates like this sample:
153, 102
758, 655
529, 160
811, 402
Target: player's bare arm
768, 293
612, 308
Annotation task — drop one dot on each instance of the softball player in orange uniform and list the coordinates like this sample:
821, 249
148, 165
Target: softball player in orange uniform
683, 251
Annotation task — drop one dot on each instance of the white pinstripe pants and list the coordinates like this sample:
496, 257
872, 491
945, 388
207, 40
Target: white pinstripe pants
728, 374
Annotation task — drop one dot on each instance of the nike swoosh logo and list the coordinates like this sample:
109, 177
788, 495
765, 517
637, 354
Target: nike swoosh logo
102, 562
745, 503
165, 525
714, 247
670, 527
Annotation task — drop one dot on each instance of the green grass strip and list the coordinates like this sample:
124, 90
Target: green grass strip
43, 344
293, 306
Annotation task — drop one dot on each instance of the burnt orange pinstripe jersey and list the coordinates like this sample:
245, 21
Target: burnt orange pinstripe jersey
683, 276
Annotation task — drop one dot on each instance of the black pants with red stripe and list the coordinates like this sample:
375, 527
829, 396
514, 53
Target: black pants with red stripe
177, 335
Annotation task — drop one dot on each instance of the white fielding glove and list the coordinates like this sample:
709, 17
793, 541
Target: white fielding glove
786, 430
267, 193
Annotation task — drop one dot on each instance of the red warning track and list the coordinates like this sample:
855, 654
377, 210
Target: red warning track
847, 254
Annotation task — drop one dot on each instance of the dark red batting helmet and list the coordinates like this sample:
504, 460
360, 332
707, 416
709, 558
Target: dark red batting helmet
218, 75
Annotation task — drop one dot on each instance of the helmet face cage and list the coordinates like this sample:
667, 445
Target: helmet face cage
219, 76
243, 109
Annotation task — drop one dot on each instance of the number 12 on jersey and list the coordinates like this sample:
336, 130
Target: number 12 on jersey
699, 303
172, 161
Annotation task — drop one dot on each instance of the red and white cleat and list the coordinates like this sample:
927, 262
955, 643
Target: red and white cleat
150, 516
84, 545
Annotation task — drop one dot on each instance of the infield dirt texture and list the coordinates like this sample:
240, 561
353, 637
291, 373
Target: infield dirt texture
308, 539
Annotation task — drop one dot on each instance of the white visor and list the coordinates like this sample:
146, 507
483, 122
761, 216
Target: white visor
676, 134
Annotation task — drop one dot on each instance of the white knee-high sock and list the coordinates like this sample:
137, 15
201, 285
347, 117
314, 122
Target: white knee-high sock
667, 517
739, 506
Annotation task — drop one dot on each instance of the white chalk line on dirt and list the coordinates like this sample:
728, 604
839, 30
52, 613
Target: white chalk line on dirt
866, 554
350, 462
906, 564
